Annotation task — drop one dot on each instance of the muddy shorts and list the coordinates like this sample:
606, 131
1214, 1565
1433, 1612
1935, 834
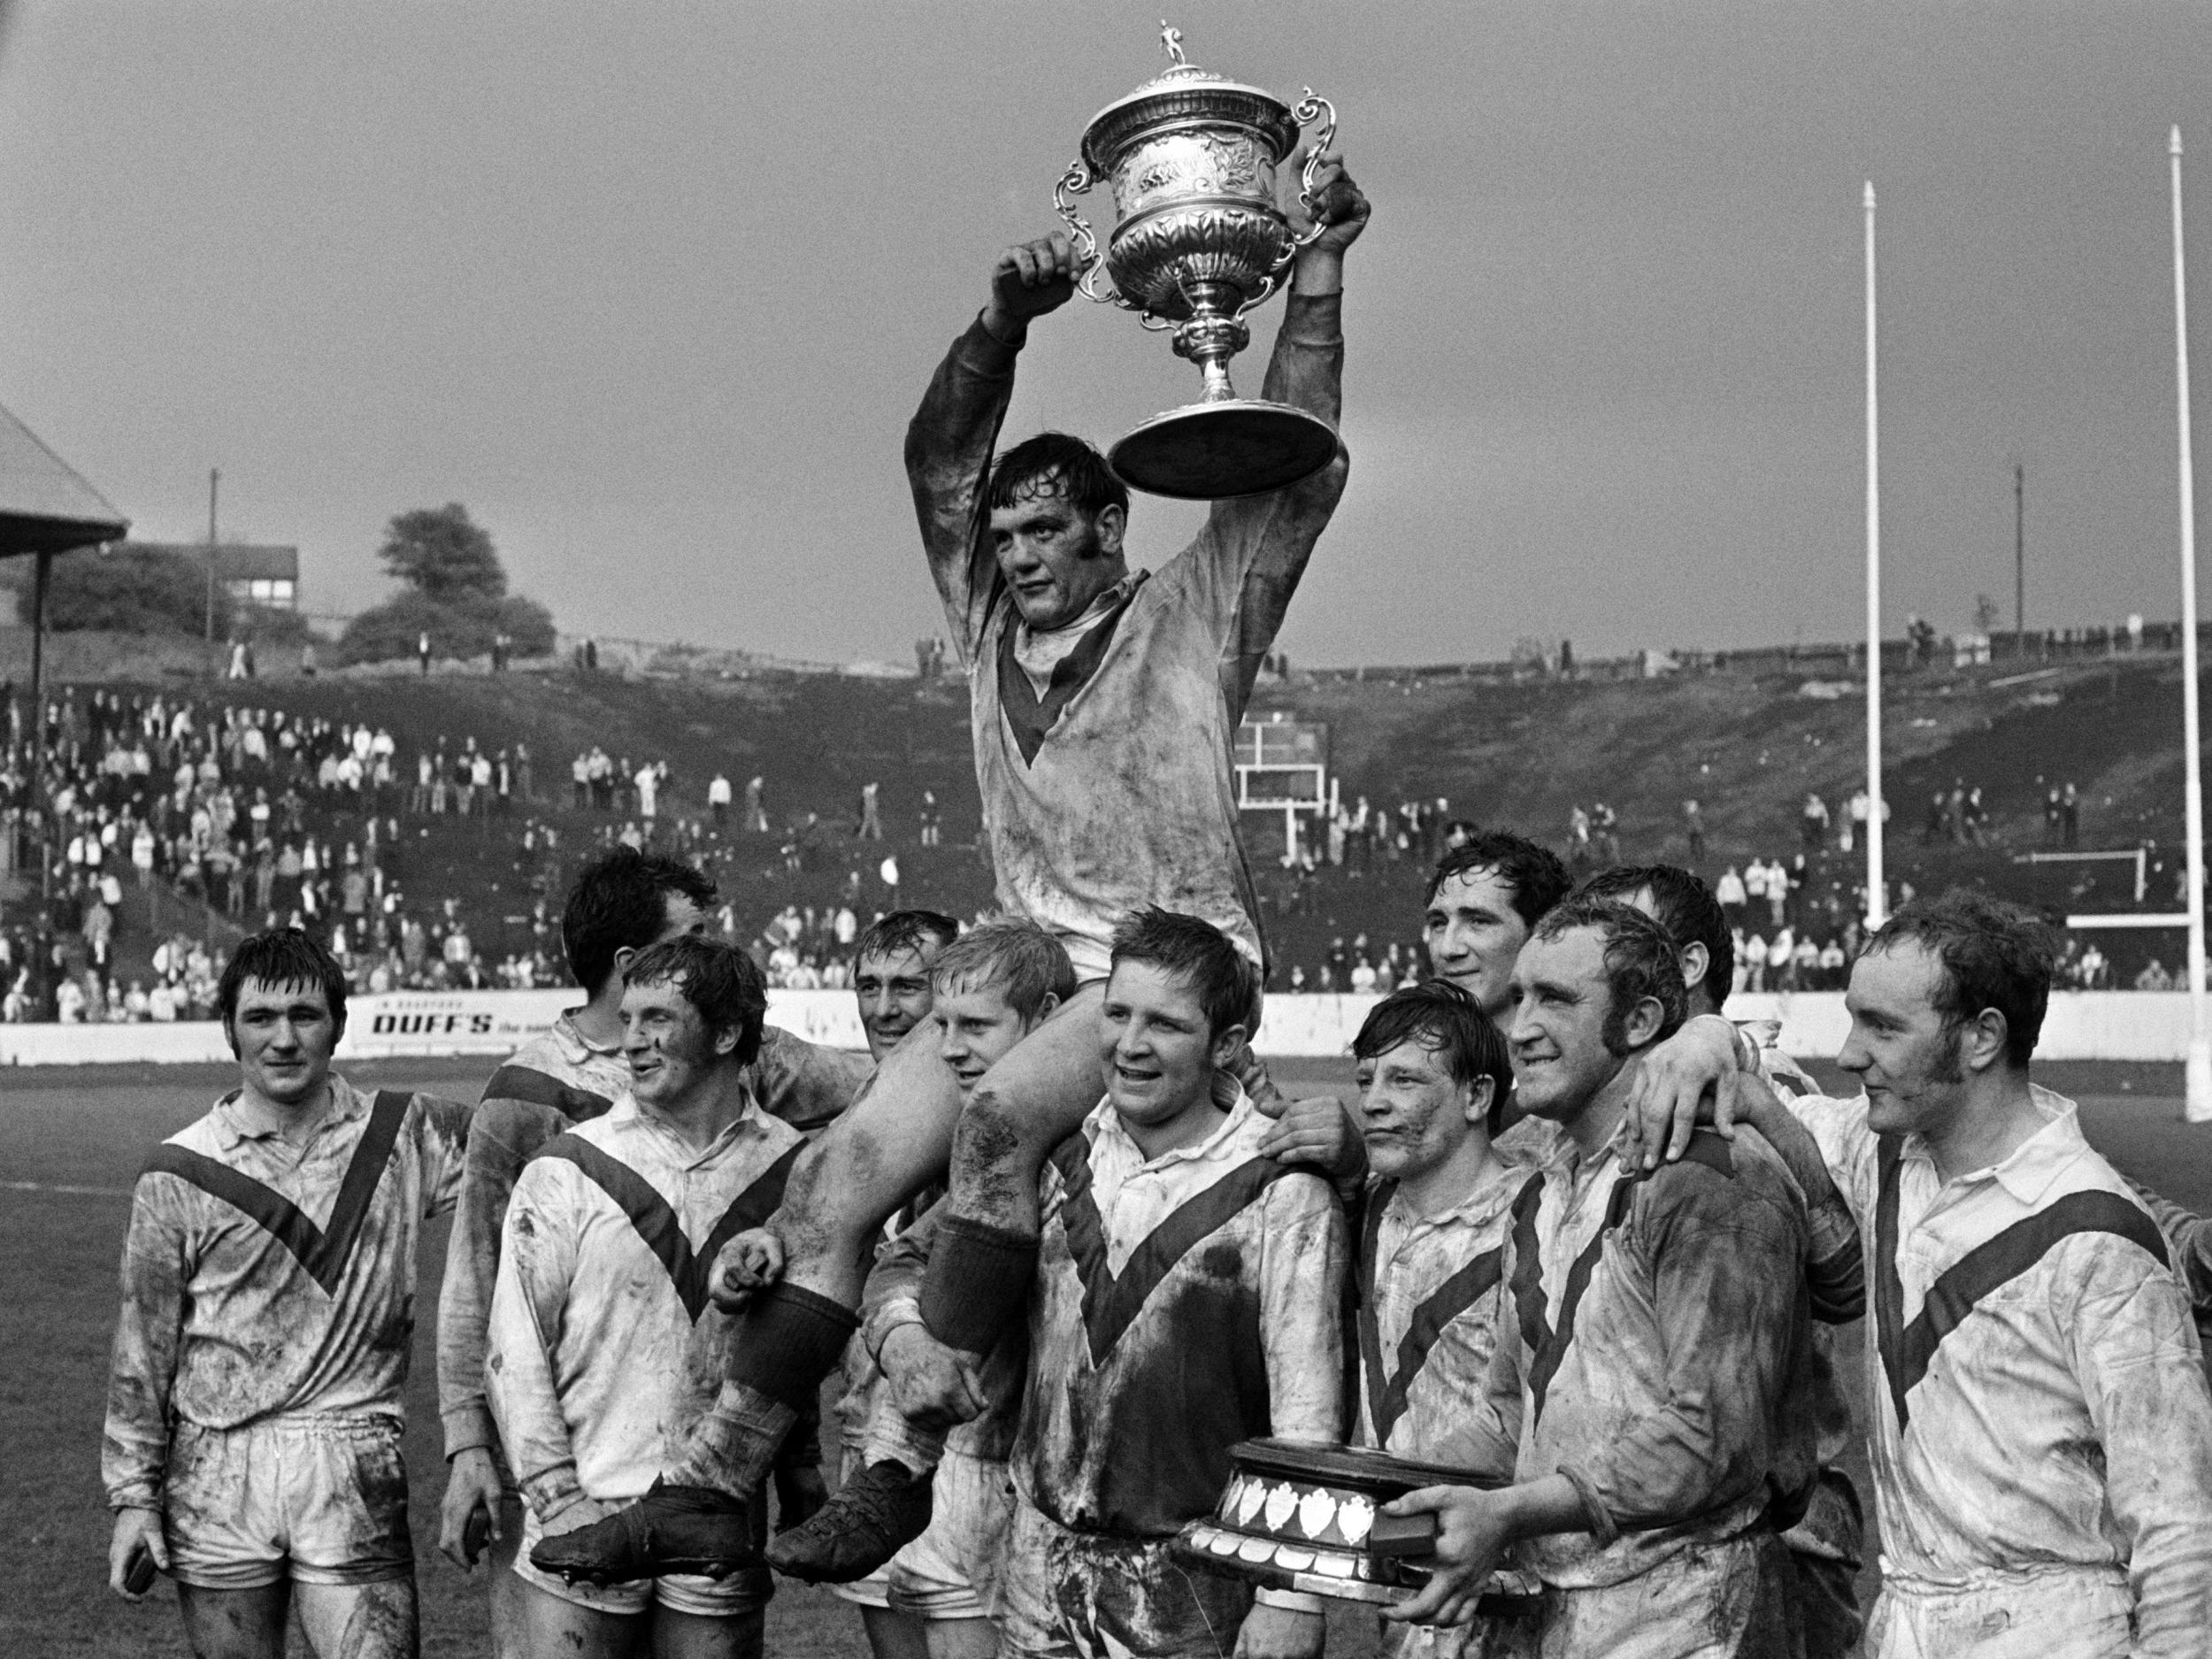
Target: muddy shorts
2060, 1613
1726, 1600
746, 1591
952, 1570
313, 1498
1082, 1595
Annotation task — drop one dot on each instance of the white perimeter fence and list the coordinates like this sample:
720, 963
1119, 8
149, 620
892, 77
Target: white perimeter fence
2081, 1025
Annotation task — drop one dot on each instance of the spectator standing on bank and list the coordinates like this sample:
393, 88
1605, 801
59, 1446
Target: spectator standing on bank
756, 813
1854, 819
1693, 825
718, 800
1812, 822
870, 821
648, 780
1730, 892
2070, 816
422, 650
932, 820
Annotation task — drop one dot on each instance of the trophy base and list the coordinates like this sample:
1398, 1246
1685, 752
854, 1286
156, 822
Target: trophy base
1210, 451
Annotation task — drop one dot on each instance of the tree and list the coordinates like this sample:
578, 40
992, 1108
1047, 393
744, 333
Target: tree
461, 629
442, 554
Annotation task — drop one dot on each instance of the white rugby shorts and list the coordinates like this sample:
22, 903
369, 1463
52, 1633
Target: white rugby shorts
313, 1497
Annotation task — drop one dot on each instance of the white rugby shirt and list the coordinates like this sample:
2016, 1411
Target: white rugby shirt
603, 1347
259, 1281
2036, 1389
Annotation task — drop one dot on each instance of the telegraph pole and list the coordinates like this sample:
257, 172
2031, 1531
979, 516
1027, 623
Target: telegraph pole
2198, 1074
1877, 884
214, 477
2020, 558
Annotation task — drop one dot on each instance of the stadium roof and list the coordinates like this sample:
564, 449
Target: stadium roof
45, 505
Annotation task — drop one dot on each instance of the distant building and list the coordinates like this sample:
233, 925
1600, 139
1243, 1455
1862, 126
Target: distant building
266, 576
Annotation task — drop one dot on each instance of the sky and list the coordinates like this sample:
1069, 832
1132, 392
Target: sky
653, 288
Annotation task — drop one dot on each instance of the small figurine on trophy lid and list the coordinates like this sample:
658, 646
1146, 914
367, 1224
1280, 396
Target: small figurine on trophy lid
1199, 241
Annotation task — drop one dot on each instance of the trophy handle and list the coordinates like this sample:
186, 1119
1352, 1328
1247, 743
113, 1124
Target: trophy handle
1310, 109
1074, 183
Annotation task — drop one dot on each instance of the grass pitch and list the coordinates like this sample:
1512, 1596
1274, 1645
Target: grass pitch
71, 1144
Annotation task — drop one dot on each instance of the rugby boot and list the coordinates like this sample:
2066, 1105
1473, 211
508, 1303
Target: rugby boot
861, 1527
670, 1529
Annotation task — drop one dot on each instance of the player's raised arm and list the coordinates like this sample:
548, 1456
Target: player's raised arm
950, 441
1246, 564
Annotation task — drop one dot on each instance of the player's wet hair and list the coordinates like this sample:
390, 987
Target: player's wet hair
619, 901
1449, 1024
903, 931
1994, 955
1534, 873
1054, 463
718, 979
1640, 961
1024, 962
281, 958
1199, 954
1686, 909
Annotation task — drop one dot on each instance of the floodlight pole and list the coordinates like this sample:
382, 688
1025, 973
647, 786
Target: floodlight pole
42, 565
1876, 888
214, 477
2198, 1099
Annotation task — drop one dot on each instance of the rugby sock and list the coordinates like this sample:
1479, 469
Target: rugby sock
978, 1280
892, 1438
785, 1344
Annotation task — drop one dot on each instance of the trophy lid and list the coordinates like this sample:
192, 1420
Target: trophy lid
1181, 95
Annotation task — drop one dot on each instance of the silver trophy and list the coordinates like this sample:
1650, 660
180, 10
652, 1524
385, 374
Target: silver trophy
1197, 242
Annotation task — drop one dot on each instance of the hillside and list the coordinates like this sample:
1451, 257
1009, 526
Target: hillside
1747, 745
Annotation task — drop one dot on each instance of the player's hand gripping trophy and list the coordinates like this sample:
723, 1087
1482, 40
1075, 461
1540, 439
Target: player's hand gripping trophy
1199, 241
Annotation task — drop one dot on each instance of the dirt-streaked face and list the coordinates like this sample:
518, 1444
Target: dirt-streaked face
284, 1035
1056, 557
668, 1044
1413, 1115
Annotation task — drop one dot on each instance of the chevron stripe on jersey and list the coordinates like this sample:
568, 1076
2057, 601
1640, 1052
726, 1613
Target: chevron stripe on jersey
1908, 1350
656, 1223
528, 1083
1111, 1300
1387, 1391
323, 1251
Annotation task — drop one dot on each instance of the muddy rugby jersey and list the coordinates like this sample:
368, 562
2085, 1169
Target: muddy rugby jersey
2035, 1389
603, 1345
1653, 1347
1182, 1304
1429, 1289
552, 1083
1109, 789
258, 1281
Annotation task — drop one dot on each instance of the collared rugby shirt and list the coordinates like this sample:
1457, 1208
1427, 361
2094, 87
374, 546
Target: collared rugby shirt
1113, 789
552, 1083
258, 1281
2035, 1389
604, 1348
1430, 1288
1652, 1350
1182, 1304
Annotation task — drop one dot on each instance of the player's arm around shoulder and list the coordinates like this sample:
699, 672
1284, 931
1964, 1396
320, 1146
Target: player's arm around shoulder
2134, 1351
806, 1084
